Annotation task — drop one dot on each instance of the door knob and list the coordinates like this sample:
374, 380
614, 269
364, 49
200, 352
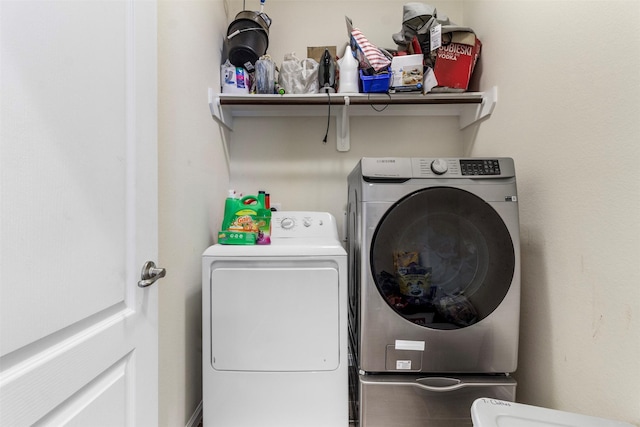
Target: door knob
150, 273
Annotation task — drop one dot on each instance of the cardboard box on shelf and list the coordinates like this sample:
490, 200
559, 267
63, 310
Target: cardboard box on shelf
407, 71
316, 52
456, 61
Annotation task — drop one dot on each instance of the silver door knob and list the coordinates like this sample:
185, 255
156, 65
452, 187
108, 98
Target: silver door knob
150, 273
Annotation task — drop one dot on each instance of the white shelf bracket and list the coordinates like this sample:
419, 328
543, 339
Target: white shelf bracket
217, 111
343, 133
470, 108
482, 111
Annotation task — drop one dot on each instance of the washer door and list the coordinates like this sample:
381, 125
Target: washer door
442, 258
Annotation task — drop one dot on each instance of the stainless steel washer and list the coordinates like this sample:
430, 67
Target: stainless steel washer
434, 265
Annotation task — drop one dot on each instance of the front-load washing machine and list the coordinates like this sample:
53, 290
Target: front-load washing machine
434, 265
275, 327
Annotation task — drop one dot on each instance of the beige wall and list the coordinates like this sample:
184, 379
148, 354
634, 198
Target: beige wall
193, 178
567, 112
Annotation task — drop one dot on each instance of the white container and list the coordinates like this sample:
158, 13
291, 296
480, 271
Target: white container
234, 79
487, 412
348, 66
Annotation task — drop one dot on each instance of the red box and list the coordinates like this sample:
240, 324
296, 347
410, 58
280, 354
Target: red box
456, 60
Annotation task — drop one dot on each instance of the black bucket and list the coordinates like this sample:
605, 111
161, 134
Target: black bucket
248, 38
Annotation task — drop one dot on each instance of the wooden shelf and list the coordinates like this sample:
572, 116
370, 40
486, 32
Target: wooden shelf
469, 107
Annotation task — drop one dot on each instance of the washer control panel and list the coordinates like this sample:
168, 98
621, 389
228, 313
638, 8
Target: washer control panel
405, 168
302, 224
461, 168
480, 167
287, 223
439, 166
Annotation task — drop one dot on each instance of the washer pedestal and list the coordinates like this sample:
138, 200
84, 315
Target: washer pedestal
425, 400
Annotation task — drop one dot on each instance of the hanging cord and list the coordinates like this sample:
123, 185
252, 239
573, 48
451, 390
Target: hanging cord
373, 106
326, 134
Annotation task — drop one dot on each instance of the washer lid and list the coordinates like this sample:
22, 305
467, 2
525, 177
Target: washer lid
487, 412
293, 234
280, 248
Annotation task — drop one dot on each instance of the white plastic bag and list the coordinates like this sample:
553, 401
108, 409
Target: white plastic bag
298, 77
265, 75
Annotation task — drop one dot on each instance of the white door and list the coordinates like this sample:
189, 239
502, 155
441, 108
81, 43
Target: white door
78, 213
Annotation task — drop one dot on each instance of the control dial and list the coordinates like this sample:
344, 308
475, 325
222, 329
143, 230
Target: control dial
439, 166
287, 223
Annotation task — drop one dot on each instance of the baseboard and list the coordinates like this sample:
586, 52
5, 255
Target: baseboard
196, 418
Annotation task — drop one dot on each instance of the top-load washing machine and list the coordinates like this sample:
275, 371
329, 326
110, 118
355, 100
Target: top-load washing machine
434, 265
275, 327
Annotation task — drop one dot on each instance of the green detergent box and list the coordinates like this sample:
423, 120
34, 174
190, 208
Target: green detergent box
247, 221
237, 238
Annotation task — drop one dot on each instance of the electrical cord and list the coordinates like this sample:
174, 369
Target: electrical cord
374, 108
326, 134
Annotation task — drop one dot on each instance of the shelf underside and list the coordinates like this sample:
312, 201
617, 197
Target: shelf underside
469, 107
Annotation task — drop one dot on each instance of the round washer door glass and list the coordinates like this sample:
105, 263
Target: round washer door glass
442, 258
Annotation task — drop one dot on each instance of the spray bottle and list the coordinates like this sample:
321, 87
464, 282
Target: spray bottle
348, 68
